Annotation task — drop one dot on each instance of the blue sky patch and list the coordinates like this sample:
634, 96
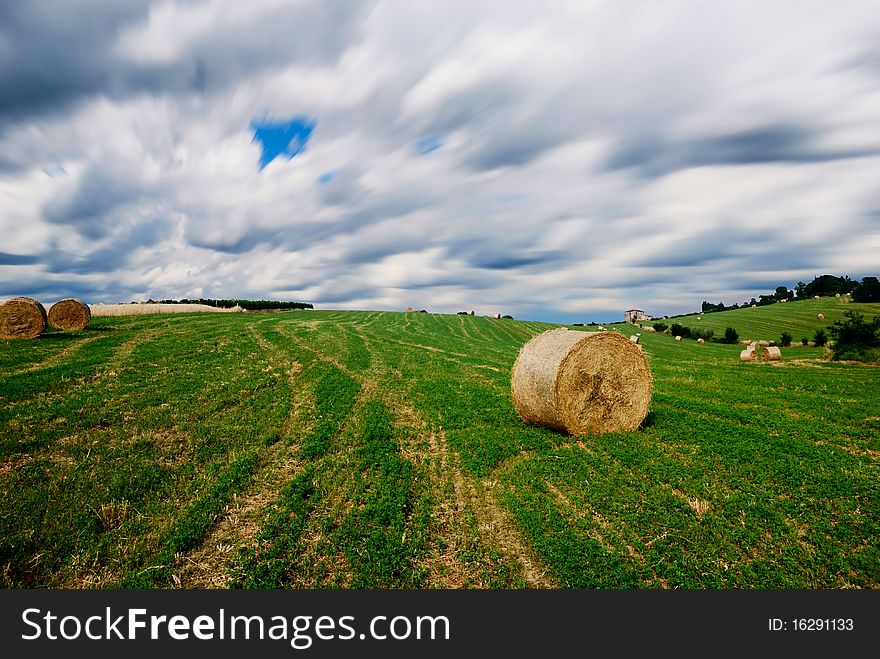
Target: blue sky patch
282, 138
326, 177
428, 144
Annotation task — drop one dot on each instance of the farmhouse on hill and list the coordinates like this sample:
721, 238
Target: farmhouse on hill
635, 316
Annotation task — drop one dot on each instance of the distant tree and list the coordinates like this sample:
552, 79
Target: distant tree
805, 342
820, 338
867, 291
785, 339
730, 336
782, 293
829, 285
508, 317
799, 288
660, 327
680, 330
855, 338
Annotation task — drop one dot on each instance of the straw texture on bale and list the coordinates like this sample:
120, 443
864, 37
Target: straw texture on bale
22, 318
748, 356
771, 354
69, 314
581, 382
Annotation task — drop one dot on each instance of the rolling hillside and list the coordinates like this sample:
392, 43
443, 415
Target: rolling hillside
315, 449
800, 319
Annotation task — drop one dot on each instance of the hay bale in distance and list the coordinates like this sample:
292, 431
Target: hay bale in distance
771, 354
634, 339
821, 316
701, 340
69, 314
22, 318
678, 338
409, 308
748, 355
496, 316
581, 382
471, 312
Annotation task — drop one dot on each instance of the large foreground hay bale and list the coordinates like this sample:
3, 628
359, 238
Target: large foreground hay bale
22, 318
69, 314
771, 354
581, 382
748, 355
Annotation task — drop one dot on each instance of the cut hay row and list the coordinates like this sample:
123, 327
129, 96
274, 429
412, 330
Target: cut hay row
22, 318
69, 314
581, 382
141, 309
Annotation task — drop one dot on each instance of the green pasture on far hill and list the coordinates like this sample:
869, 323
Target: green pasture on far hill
314, 449
766, 323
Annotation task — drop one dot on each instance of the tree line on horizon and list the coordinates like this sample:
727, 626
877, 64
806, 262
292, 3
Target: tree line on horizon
868, 290
250, 305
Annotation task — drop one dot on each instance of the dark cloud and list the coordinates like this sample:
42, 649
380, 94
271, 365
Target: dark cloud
501, 260
111, 257
17, 259
44, 289
91, 204
56, 54
654, 155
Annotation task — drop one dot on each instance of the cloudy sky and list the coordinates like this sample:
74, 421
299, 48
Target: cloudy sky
558, 161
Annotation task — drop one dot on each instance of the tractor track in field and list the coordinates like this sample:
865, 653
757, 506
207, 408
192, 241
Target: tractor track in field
455, 495
58, 357
209, 564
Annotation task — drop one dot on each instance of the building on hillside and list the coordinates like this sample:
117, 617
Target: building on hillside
635, 316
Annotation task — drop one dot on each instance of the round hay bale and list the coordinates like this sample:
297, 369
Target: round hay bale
581, 382
471, 312
634, 339
678, 338
69, 314
409, 308
22, 318
497, 316
821, 316
700, 340
771, 354
837, 295
748, 356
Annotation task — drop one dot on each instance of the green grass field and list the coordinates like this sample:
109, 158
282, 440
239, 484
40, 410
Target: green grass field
382, 450
800, 319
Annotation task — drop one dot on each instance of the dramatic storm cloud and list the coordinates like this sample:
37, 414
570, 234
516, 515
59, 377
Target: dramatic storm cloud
559, 162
